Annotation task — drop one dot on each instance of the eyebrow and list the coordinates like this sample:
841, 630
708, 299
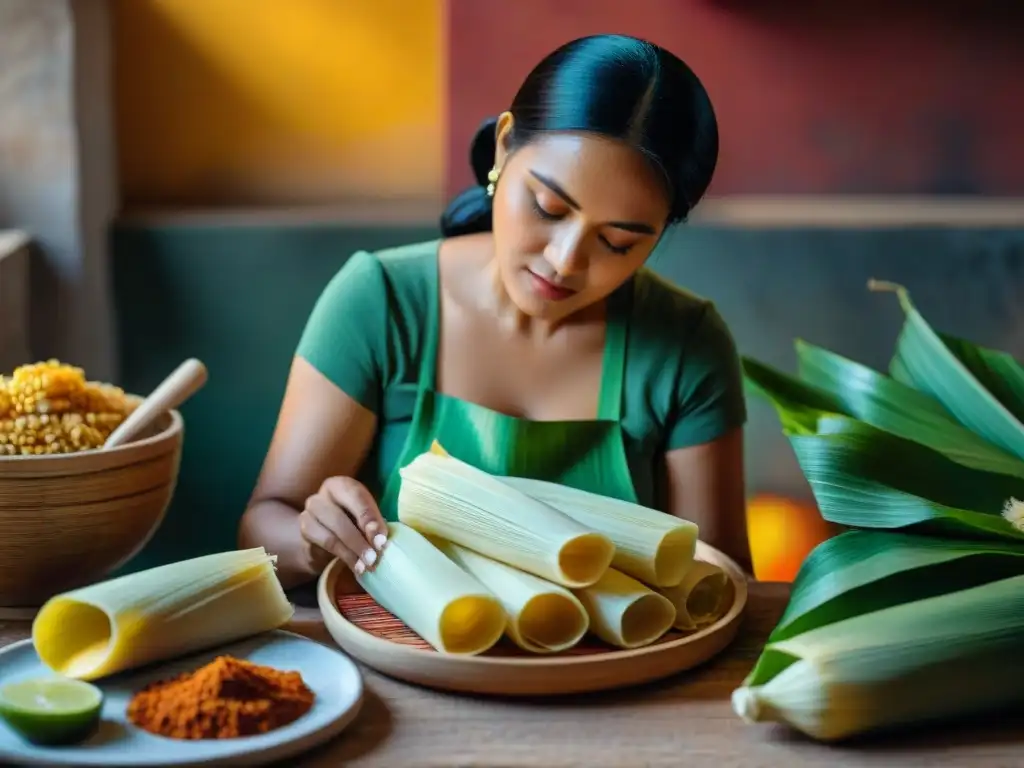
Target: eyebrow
629, 226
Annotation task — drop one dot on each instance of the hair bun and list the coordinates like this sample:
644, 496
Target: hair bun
468, 213
482, 149
471, 210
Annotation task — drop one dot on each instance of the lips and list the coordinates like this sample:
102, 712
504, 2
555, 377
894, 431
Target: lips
548, 290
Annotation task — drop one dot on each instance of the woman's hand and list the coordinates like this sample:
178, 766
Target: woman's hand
342, 520
321, 432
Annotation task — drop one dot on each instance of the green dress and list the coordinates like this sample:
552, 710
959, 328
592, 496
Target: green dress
670, 379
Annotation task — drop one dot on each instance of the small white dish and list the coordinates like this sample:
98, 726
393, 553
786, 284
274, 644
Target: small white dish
332, 676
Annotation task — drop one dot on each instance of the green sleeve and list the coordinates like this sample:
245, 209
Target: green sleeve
345, 337
709, 399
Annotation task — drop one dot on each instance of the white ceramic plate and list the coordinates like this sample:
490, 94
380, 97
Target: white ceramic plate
332, 676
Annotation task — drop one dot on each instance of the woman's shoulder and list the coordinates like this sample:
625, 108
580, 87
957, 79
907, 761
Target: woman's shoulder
683, 362
369, 318
670, 316
401, 262
378, 284
403, 274
419, 255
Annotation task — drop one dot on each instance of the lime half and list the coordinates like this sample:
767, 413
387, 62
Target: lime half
52, 710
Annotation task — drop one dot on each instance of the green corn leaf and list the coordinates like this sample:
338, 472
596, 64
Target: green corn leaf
929, 591
866, 478
788, 392
937, 658
926, 362
863, 476
859, 450
860, 572
798, 404
997, 371
865, 504
902, 410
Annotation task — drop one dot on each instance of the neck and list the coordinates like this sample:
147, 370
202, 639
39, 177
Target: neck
482, 287
510, 316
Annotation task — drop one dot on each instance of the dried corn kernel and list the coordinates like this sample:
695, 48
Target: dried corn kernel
49, 408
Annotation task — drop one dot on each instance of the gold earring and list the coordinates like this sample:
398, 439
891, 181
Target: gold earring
492, 178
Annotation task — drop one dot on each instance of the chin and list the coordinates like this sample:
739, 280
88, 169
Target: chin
539, 308
530, 304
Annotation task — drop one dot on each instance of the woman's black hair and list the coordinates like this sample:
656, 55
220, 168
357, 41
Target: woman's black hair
615, 86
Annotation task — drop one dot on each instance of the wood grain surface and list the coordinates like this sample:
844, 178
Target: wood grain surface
686, 721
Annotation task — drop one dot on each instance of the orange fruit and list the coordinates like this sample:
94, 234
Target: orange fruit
782, 533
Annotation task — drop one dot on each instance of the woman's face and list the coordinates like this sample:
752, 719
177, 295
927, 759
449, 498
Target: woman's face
575, 216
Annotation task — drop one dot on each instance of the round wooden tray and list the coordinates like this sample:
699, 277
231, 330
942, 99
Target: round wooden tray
375, 637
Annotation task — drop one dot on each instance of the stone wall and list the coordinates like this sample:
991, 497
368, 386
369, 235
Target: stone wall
57, 172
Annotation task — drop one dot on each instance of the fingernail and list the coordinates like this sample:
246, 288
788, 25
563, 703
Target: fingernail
360, 566
371, 527
380, 540
370, 557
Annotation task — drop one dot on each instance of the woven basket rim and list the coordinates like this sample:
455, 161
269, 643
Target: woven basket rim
123, 454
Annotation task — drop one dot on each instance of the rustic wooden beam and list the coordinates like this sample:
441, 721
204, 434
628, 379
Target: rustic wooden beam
14, 299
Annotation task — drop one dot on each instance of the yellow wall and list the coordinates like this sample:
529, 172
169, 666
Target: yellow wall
278, 101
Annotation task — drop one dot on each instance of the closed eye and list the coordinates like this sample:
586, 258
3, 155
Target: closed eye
622, 250
547, 215
543, 213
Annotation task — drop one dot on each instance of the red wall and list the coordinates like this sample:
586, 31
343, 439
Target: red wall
858, 99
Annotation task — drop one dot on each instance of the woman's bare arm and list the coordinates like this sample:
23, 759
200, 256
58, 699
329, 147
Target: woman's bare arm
321, 433
705, 484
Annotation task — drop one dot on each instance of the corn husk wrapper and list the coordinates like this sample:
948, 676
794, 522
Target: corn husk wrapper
925, 465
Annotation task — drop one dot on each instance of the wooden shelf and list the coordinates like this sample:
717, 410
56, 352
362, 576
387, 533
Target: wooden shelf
367, 213
783, 211
753, 212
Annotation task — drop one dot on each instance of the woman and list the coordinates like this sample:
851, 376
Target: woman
530, 340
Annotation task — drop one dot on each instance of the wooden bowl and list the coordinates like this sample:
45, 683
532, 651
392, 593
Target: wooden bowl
70, 519
375, 637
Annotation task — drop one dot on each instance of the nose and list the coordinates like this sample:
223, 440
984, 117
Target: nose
565, 252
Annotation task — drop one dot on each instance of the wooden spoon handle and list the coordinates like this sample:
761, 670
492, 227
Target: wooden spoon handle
184, 382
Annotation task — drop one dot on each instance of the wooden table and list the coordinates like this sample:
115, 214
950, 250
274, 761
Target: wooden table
680, 723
